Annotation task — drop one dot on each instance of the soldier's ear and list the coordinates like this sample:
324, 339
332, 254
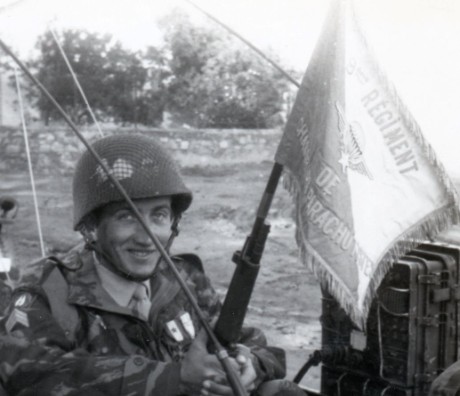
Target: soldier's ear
87, 228
89, 236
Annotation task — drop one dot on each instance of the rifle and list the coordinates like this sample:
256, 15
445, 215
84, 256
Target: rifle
230, 321
247, 260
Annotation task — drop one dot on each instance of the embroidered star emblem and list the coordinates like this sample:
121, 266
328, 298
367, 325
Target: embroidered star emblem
344, 161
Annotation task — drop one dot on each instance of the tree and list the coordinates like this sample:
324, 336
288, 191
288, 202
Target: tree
153, 101
243, 90
202, 76
112, 77
126, 77
188, 48
215, 82
87, 54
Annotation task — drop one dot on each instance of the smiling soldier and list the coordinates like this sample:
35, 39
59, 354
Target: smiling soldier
110, 318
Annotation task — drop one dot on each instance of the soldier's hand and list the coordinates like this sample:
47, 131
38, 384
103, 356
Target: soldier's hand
247, 370
202, 373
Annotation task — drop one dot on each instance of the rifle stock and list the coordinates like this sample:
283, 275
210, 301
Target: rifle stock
230, 321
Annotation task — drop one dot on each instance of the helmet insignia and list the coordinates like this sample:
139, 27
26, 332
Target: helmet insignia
120, 170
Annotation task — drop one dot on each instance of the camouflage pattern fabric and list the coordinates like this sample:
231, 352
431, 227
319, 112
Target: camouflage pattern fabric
86, 344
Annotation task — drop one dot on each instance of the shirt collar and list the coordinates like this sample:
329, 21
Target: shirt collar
119, 288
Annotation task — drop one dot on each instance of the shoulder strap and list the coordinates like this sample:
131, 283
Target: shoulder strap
192, 259
56, 290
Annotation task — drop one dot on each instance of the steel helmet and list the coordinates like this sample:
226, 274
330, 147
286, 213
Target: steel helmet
141, 165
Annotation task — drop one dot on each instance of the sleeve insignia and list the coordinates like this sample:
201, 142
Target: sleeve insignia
174, 331
5, 264
16, 320
186, 321
23, 300
181, 328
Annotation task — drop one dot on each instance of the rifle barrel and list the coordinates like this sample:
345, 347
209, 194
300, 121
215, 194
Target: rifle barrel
231, 318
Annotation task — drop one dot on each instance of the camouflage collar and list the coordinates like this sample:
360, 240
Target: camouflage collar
85, 288
119, 288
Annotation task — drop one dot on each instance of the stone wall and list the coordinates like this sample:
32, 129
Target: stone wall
55, 150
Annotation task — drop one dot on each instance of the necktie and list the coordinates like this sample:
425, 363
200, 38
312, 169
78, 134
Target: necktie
140, 302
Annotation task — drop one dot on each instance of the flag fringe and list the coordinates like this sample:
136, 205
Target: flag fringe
424, 230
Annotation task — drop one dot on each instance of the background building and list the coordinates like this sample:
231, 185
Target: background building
9, 115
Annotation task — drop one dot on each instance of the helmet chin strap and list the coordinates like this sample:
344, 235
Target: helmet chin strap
104, 257
174, 231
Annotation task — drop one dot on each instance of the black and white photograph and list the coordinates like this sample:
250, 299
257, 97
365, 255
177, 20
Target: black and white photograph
229, 198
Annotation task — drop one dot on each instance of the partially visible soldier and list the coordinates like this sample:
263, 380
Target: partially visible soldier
8, 210
110, 318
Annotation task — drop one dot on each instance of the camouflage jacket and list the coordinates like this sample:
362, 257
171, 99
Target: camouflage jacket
64, 335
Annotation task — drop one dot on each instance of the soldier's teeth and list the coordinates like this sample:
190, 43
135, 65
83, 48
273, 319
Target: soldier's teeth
140, 253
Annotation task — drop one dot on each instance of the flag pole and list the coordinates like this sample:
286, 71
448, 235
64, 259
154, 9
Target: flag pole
248, 43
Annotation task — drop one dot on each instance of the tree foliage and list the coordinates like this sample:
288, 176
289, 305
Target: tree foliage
112, 78
217, 83
202, 76
87, 54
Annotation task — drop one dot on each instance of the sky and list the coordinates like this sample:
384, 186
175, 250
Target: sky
417, 42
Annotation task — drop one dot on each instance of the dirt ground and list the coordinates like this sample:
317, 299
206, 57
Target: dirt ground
286, 300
